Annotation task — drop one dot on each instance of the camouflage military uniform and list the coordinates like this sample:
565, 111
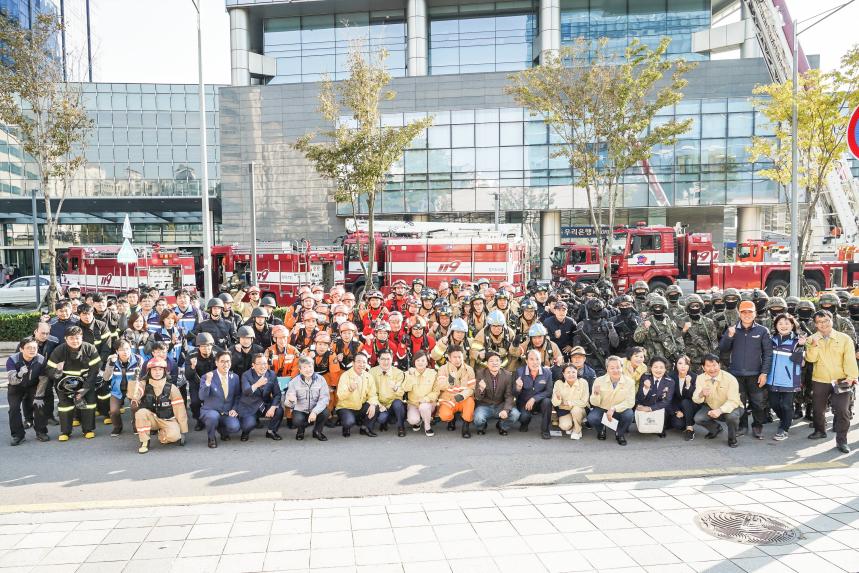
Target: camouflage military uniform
775, 307
662, 337
700, 337
640, 302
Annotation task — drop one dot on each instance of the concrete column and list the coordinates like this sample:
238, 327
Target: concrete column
416, 17
749, 223
550, 237
750, 48
550, 27
239, 46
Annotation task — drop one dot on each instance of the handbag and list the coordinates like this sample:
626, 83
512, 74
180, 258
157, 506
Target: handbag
650, 422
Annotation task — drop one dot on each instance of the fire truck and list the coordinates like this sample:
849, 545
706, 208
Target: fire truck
96, 268
282, 268
661, 256
436, 252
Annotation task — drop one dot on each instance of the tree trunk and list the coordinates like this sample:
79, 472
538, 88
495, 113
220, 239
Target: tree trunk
612, 198
371, 243
51, 247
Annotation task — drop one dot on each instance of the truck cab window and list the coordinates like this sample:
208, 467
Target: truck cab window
643, 243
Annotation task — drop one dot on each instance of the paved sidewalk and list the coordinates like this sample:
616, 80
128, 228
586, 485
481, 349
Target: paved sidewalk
608, 526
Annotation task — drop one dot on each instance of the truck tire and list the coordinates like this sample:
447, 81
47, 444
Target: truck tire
778, 287
658, 286
810, 287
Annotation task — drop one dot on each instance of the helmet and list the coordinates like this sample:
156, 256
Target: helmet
259, 312
706, 297
595, 306
455, 282
399, 283
829, 298
673, 290
502, 294
428, 294
444, 310
279, 330
375, 294
759, 294
537, 329
792, 301
482, 281
495, 318
412, 301
717, 295
204, 338
479, 296
245, 332
71, 384
215, 302
843, 296
528, 304
731, 292
322, 337
268, 301
622, 299
381, 325
807, 306
226, 297
542, 287
348, 326
656, 300
418, 281
694, 299
458, 325
640, 285
776, 302
253, 288
340, 309
417, 321
591, 289
853, 302
156, 363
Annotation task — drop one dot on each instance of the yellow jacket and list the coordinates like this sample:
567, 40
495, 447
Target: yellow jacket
725, 394
390, 385
568, 397
365, 391
634, 373
451, 381
834, 357
421, 387
621, 397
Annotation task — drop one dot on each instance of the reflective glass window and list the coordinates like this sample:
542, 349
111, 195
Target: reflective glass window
462, 135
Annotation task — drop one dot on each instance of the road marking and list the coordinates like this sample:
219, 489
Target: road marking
707, 472
141, 502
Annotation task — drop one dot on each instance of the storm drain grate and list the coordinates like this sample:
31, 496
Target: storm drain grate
748, 527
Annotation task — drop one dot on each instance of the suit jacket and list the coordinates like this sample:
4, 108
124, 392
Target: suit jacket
659, 396
212, 396
262, 398
503, 394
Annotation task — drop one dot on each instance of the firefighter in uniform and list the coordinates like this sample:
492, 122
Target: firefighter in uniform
380, 340
107, 315
416, 340
658, 334
538, 339
397, 299
441, 324
347, 345
304, 333
160, 407
496, 338
75, 366
699, 333
374, 312
258, 322
477, 314
521, 323
59, 324
326, 365
457, 336
282, 357
455, 383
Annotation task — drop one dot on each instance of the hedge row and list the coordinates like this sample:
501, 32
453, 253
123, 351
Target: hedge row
14, 327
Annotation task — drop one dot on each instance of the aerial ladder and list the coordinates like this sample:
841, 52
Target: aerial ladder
840, 197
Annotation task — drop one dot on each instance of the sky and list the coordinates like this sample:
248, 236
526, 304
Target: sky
156, 40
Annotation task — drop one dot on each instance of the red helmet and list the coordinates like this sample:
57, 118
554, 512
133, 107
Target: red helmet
323, 337
157, 363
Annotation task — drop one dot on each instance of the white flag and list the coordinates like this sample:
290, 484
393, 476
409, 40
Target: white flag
126, 255
126, 229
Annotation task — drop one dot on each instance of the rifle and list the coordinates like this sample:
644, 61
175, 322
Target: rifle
664, 337
590, 343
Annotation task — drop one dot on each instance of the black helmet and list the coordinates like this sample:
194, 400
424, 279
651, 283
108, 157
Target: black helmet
215, 302
245, 332
226, 297
595, 306
268, 301
259, 312
204, 338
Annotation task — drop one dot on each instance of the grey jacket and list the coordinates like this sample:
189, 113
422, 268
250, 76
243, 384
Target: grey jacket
304, 396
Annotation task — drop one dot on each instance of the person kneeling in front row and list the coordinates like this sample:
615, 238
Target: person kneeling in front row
220, 391
570, 398
719, 391
356, 398
260, 399
613, 396
160, 407
307, 396
494, 397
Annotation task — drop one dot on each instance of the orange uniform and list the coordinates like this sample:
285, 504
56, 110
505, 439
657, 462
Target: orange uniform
456, 392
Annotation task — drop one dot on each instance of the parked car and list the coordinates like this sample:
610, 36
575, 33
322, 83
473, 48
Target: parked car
23, 290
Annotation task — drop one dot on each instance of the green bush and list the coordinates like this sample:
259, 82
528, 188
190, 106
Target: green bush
280, 312
14, 327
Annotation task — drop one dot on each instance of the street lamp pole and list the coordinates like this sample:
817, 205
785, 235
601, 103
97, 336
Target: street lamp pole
37, 264
794, 175
204, 162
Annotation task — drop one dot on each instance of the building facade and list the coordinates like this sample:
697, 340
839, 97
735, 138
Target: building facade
451, 59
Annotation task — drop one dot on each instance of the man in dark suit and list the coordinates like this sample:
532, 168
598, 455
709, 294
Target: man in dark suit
220, 392
494, 397
261, 398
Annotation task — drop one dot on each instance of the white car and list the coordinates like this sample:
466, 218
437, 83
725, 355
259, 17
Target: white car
23, 290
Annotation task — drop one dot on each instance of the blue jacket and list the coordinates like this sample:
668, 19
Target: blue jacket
212, 396
261, 399
659, 396
751, 350
35, 368
537, 388
785, 374
132, 372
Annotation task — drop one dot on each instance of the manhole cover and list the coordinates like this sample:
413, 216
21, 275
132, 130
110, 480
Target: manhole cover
748, 527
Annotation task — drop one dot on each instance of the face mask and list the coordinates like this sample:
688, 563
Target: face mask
791, 309
641, 295
626, 311
719, 307
695, 313
828, 307
673, 297
593, 314
854, 312
731, 304
805, 313
659, 312
774, 313
708, 308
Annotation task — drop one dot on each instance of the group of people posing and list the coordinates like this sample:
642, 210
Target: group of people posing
577, 356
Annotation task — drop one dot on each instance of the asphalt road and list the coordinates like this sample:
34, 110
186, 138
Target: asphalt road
108, 468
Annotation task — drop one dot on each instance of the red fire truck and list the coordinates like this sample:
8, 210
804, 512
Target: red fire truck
437, 252
661, 256
282, 268
96, 268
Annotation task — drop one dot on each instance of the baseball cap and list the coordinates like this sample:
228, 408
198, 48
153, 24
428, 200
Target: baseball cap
578, 350
747, 305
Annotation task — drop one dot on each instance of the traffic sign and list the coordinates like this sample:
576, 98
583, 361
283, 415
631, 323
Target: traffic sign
853, 133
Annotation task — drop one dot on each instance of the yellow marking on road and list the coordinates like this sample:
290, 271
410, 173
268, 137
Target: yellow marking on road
141, 502
707, 472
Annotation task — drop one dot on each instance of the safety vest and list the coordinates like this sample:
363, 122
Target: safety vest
161, 405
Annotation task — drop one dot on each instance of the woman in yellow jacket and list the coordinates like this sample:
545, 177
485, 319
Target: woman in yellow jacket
634, 366
613, 396
356, 397
422, 393
570, 398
